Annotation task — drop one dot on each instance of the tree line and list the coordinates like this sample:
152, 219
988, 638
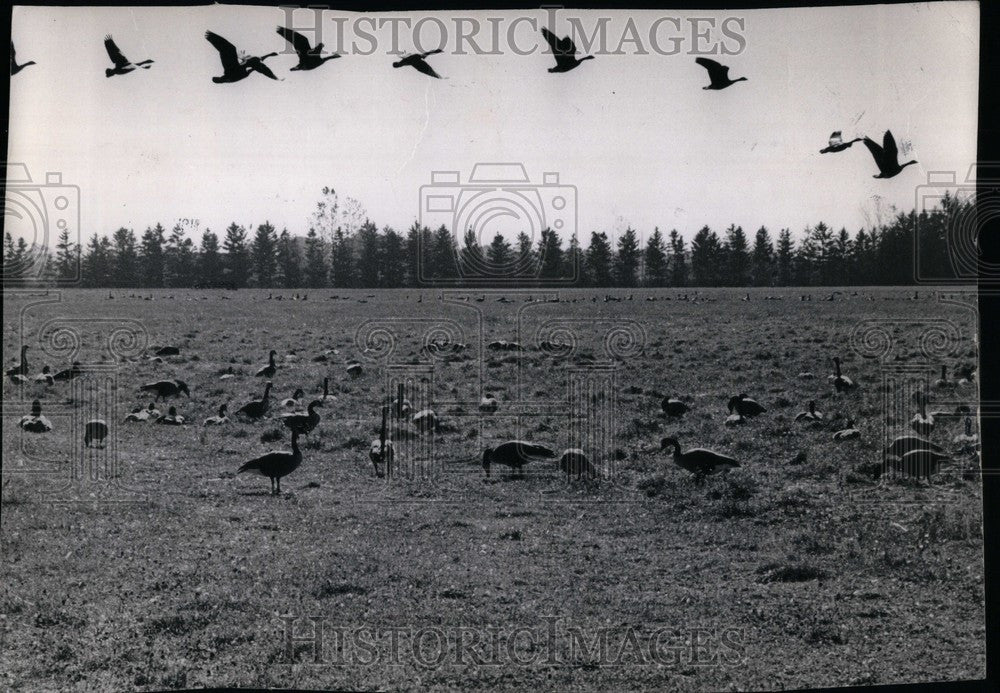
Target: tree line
344, 249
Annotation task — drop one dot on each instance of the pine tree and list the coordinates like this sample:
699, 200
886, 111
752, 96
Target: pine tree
785, 258
763, 258
575, 263
499, 255
626, 263
315, 272
369, 259
126, 259
737, 256
416, 260
525, 260
678, 260
67, 262
656, 260
443, 254
179, 260
237, 262
97, 262
209, 261
152, 257
470, 256
393, 259
706, 254
551, 256
289, 261
599, 260
342, 260
264, 256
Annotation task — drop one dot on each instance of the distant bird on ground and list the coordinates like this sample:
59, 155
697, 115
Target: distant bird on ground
967, 375
270, 369
886, 157
172, 418
574, 462
736, 420
233, 68
220, 419
21, 367
140, 415
564, 51
309, 58
425, 420
122, 64
166, 388
806, 375
376, 455
943, 382
303, 423
275, 465
837, 144
922, 422
744, 406
849, 432
488, 404
515, 454
699, 461
35, 422
293, 401
840, 382
919, 463
95, 431
355, 370
811, 414
167, 351
418, 62
673, 407
967, 438
45, 377
14, 67
256, 408
908, 443
718, 73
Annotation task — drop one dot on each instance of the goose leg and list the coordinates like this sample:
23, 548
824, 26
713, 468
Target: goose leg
279, 485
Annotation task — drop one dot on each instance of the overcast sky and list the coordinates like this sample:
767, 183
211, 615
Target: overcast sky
636, 134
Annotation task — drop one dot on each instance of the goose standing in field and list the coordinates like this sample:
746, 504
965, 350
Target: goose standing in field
574, 462
303, 423
718, 73
122, 64
220, 419
968, 438
849, 432
418, 62
256, 408
837, 144
744, 406
233, 68
886, 157
95, 431
943, 383
811, 414
841, 382
172, 418
166, 388
355, 370
14, 67
309, 58
699, 461
167, 351
488, 404
45, 377
35, 422
515, 454
908, 443
141, 415
736, 420
21, 367
673, 407
275, 465
918, 463
923, 423
425, 420
564, 51
270, 369
381, 451
293, 401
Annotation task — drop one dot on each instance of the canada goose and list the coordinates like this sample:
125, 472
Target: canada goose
256, 408
21, 367
886, 156
908, 443
574, 462
673, 407
14, 67
355, 370
918, 463
172, 418
35, 422
298, 422
922, 422
233, 68
17, 378
488, 404
849, 432
45, 377
718, 73
270, 369
515, 454
122, 64
837, 144
326, 390
841, 383
418, 62
96, 430
425, 420
744, 406
275, 465
943, 382
166, 388
806, 375
381, 450
736, 420
167, 351
140, 414
967, 375
967, 438
811, 415
293, 401
699, 461
220, 419
564, 51
309, 58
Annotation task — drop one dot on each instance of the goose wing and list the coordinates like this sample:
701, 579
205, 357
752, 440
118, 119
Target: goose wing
534, 450
709, 457
227, 51
876, 150
559, 46
889, 146
299, 42
116, 55
258, 65
717, 72
433, 52
423, 67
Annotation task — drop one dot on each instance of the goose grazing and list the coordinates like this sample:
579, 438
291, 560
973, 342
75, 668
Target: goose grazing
122, 64
172, 418
699, 461
14, 67
841, 383
918, 463
837, 144
167, 351
564, 51
256, 408
718, 73
967, 438
488, 404
811, 415
943, 382
219, 420
904, 444
166, 388
744, 406
967, 375
673, 407
95, 431
21, 367
886, 157
270, 369
45, 377
515, 454
847, 433
275, 465
417, 61
309, 58
35, 422
574, 462
302, 423
922, 422
233, 68
425, 420
293, 401
355, 370
140, 414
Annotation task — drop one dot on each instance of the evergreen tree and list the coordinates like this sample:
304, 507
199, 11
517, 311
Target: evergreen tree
626, 263
315, 272
737, 254
471, 254
656, 260
126, 259
551, 256
152, 257
575, 263
678, 260
763, 258
443, 254
237, 257
785, 258
599, 260
179, 261
67, 262
525, 259
499, 255
263, 255
393, 259
342, 260
706, 253
369, 257
97, 262
289, 261
209, 261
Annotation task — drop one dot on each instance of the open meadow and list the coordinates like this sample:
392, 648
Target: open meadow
799, 568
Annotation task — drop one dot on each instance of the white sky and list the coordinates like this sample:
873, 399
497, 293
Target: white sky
636, 134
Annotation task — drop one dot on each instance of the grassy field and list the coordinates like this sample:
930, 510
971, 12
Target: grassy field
795, 570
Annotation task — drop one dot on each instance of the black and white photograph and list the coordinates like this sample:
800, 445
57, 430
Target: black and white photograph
539, 349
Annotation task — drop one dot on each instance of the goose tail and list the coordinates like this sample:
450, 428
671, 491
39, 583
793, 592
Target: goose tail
250, 466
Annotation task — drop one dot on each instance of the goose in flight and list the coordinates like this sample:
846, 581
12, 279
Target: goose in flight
14, 67
718, 73
417, 61
233, 68
887, 156
564, 51
122, 64
309, 58
837, 144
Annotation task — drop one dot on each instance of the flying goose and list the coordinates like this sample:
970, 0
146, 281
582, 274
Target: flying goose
256, 408
811, 415
35, 422
699, 461
515, 454
270, 369
840, 382
309, 58
172, 418
718, 73
837, 144
166, 388
275, 465
564, 51
233, 68
673, 407
744, 406
14, 67
304, 423
96, 430
417, 61
886, 157
574, 462
293, 401
220, 419
21, 367
122, 64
